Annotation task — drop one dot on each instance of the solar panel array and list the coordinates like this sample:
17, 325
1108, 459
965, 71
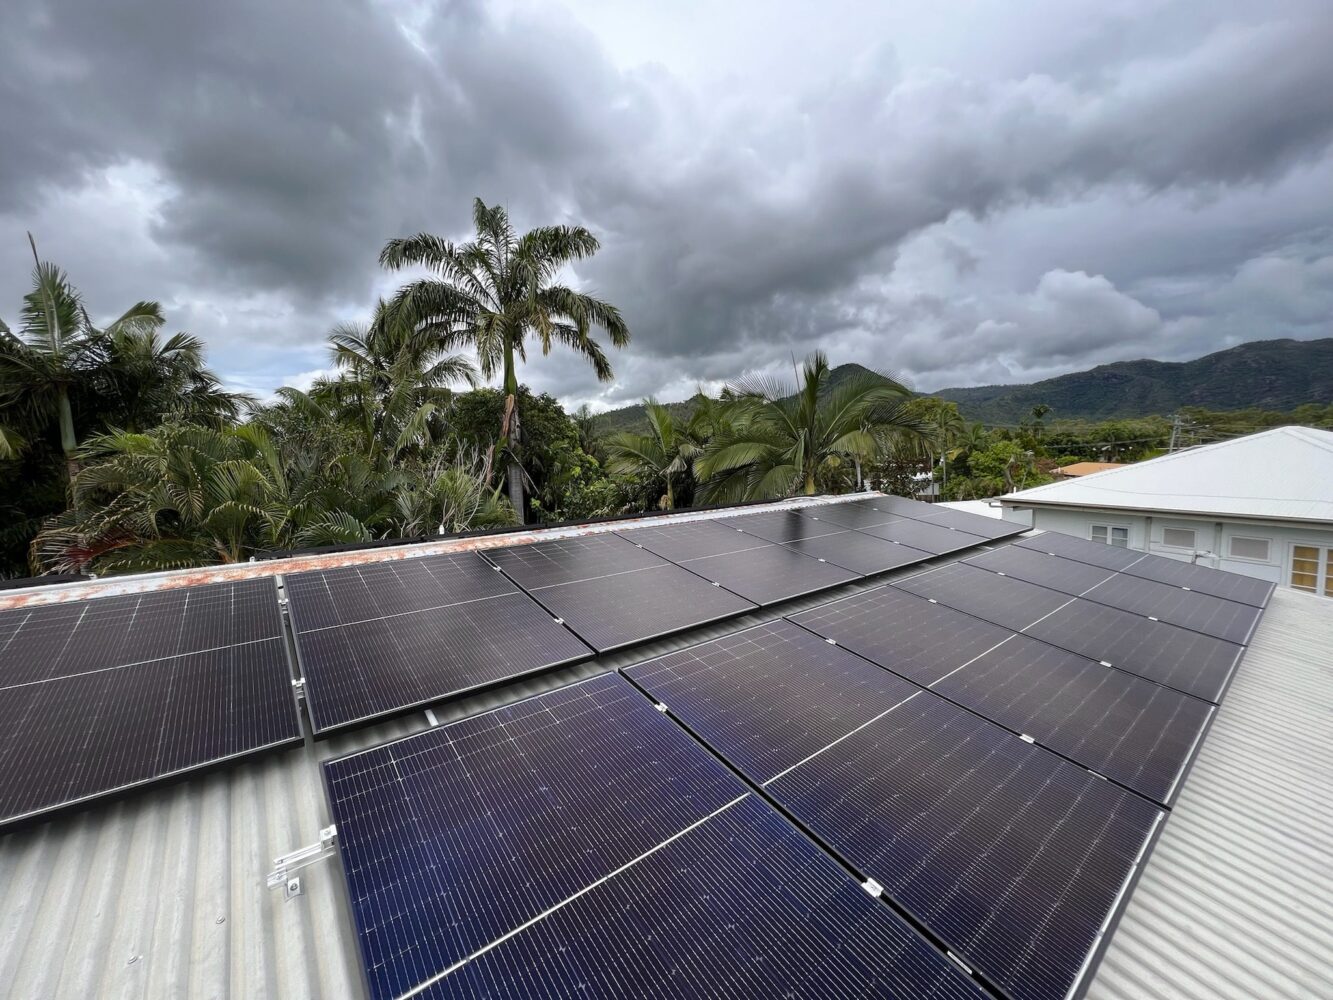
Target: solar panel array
102, 695
387, 636
996, 790
579, 842
1011, 856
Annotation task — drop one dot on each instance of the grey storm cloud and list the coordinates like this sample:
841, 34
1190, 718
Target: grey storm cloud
1153, 182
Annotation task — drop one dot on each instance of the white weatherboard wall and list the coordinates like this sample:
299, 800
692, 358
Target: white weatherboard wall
1147, 533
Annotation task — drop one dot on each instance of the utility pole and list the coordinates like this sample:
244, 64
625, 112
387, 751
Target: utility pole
1175, 433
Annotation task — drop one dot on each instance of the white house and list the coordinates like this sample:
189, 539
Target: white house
1261, 505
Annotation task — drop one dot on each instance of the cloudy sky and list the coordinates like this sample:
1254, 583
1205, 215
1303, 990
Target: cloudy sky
966, 193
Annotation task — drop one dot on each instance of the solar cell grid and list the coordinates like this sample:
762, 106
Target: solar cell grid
1196, 664
775, 692
1069, 547
859, 552
909, 635
1230, 620
741, 906
1132, 730
570, 560
857, 514
769, 573
905, 507
999, 599
1205, 580
781, 526
977, 524
1065, 575
62, 640
458, 835
75, 738
1012, 856
619, 610
691, 539
924, 535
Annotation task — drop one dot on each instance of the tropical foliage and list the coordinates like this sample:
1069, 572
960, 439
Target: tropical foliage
496, 293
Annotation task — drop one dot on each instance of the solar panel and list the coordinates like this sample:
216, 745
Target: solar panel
686, 540
103, 695
769, 573
1065, 575
389, 636
857, 514
999, 599
1187, 661
1069, 547
581, 841
781, 526
977, 524
1213, 616
907, 634
1217, 583
859, 553
1135, 732
932, 538
903, 506
1013, 857
613, 593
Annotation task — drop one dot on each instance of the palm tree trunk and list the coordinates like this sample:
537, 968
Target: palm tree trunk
514, 475
809, 484
68, 442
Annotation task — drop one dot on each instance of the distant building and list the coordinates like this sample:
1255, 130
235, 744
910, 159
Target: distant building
1261, 505
1085, 469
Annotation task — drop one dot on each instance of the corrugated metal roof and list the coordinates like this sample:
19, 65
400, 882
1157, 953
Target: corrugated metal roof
1087, 468
1284, 474
162, 894
1237, 898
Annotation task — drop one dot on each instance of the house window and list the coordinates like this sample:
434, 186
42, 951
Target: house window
1178, 538
1111, 534
1312, 569
1249, 548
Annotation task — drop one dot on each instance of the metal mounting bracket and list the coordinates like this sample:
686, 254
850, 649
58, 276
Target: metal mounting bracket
286, 866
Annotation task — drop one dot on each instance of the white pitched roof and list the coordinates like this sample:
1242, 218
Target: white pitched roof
1282, 474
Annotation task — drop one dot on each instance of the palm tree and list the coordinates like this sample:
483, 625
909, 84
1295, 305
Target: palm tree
784, 438
393, 382
665, 452
147, 379
495, 292
56, 349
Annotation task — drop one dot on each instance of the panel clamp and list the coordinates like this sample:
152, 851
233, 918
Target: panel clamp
298, 685
661, 707
873, 887
285, 867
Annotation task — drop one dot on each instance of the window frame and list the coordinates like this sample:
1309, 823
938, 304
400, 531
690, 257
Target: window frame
1110, 528
1323, 572
1266, 560
1194, 538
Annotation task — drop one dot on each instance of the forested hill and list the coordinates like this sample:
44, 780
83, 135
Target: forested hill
1267, 374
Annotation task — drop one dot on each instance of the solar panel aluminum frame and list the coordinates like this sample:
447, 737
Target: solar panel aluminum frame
667, 633
36, 817
1086, 975
402, 710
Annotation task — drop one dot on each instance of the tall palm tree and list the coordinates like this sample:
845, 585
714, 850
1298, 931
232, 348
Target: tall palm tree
56, 348
787, 438
147, 378
665, 452
496, 292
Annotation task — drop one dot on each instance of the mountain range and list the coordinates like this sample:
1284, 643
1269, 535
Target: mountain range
1267, 374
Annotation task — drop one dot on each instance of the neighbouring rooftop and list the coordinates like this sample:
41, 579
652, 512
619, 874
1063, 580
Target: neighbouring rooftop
1284, 474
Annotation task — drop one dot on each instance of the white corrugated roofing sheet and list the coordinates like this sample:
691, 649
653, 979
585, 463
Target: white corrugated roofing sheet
162, 894
1285, 473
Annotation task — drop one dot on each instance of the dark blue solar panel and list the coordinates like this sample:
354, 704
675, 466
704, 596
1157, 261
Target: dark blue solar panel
1205, 580
858, 552
1187, 661
581, 842
686, 540
1012, 856
999, 599
741, 906
1135, 732
105, 694
1054, 572
1080, 549
857, 514
976, 524
389, 636
613, 593
908, 634
1230, 620
781, 525
933, 538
